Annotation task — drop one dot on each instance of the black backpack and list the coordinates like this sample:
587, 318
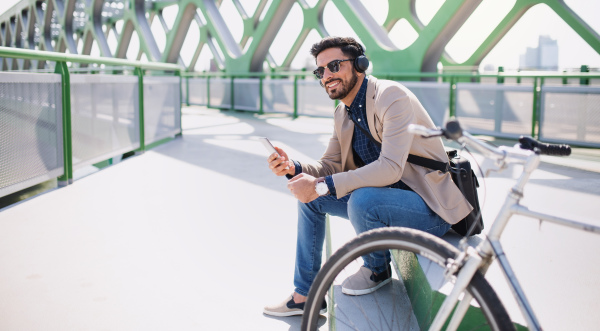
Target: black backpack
465, 179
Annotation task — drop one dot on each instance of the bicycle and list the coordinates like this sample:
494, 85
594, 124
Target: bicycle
419, 259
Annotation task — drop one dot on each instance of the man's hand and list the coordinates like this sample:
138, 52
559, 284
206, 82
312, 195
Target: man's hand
280, 164
303, 187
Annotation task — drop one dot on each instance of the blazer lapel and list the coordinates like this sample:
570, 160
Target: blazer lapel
371, 106
346, 130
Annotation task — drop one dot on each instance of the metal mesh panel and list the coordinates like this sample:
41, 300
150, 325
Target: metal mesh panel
246, 94
435, 98
278, 96
570, 114
104, 117
197, 91
220, 93
313, 100
499, 110
31, 144
162, 108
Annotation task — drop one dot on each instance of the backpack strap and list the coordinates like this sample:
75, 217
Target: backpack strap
414, 159
428, 163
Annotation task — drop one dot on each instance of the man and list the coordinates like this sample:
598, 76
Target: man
363, 175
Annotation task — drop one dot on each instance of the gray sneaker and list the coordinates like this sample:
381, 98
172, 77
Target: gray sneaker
290, 308
364, 281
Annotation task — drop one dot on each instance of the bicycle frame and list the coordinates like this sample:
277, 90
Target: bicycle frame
491, 247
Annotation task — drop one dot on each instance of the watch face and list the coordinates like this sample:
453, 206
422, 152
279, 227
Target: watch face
322, 188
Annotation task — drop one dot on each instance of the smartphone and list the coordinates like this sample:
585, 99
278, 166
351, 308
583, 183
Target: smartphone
265, 141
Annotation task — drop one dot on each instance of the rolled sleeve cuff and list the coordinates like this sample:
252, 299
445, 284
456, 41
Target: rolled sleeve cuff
330, 186
297, 168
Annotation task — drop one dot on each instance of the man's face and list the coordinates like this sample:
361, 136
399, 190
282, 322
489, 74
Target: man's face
339, 84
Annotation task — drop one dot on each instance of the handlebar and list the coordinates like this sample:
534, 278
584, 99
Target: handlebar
546, 149
453, 131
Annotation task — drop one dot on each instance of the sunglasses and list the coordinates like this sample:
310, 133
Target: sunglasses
333, 66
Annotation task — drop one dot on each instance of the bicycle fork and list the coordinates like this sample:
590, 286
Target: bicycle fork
470, 267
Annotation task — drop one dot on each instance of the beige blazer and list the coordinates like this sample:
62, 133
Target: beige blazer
391, 107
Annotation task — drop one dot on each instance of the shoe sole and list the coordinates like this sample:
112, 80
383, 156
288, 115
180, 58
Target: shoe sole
290, 313
365, 291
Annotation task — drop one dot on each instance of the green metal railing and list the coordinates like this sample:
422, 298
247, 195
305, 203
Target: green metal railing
62, 68
294, 75
537, 80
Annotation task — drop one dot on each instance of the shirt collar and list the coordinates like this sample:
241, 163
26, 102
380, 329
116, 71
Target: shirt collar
361, 96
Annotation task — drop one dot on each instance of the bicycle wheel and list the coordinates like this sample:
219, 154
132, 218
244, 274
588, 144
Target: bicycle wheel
410, 301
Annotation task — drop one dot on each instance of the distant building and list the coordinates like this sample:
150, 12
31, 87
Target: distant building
543, 57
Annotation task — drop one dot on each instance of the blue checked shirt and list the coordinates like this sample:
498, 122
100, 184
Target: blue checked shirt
364, 150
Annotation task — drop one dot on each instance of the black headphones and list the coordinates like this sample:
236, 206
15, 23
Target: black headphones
361, 63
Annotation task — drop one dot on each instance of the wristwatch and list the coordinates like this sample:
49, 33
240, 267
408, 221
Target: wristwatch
321, 187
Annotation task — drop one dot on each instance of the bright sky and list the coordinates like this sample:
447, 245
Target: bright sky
539, 20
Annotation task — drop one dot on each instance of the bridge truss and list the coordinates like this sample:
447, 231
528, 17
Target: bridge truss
88, 26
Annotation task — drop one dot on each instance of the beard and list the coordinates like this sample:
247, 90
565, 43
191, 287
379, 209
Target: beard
343, 88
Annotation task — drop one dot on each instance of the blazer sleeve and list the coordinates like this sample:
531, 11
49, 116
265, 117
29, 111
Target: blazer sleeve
331, 161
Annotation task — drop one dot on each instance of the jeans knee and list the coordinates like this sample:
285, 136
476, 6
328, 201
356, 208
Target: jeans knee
310, 207
360, 201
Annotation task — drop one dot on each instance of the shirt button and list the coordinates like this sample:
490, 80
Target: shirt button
359, 119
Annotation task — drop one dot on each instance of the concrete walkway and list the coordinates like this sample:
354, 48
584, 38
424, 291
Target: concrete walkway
197, 234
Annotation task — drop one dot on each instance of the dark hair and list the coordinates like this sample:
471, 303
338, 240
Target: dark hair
349, 46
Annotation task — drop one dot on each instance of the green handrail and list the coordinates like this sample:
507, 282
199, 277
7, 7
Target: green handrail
28, 54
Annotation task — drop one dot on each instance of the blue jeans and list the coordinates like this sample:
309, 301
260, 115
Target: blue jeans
367, 208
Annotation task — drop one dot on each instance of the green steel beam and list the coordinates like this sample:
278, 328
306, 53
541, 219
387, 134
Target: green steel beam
512, 17
425, 52
93, 30
176, 36
134, 19
32, 24
588, 34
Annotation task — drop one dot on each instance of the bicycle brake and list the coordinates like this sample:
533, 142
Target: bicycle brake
454, 265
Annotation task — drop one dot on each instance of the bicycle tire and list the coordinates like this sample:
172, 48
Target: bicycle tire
424, 245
